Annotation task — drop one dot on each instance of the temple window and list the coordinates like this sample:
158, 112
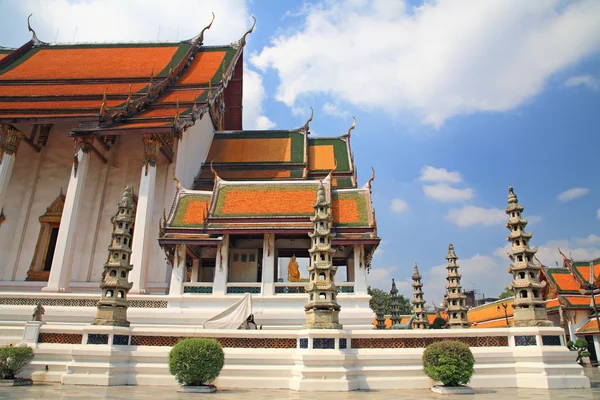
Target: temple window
333, 296
109, 293
322, 256
531, 275
120, 225
535, 293
520, 258
322, 276
113, 272
123, 274
118, 240
120, 294
39, 269
523, 294
518, 243
124, 257
322, 296
522, 275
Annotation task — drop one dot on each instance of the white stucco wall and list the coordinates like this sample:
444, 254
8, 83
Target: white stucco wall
103, 190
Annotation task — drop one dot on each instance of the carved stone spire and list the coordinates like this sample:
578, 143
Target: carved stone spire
530, 307
421, 321
379, 315
112, 307
455, 299
322, 310
395, 306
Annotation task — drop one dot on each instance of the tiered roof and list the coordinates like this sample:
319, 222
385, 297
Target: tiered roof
278, 155
117, 88
270, 206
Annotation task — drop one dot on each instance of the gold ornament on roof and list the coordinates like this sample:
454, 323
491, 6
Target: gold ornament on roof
351, 128
306, 126
243, 40
372, 178
104, 106
201, 37
176, 119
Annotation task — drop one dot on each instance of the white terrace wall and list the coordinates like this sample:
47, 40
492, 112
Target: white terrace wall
304, 360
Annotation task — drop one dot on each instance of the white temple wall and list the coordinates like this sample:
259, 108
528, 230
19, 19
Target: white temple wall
192, 150
54, 171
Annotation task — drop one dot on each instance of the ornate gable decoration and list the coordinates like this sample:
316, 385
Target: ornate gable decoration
55, 209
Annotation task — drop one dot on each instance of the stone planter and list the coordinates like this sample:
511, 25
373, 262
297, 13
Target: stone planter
16, 382
441, 389
197, 389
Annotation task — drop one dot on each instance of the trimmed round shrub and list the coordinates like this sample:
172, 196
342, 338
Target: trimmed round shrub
13, 360
450, 362
196, 361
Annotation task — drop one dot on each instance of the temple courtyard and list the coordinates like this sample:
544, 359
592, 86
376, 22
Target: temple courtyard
58, 391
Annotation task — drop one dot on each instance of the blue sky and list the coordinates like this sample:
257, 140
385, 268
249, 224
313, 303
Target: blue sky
454, 101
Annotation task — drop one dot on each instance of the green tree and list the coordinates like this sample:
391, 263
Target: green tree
506, 293
376, 294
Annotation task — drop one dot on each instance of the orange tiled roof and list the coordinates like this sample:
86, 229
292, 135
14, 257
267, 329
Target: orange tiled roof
250, 150
255, 174
321, 157
203, 68
584, 271
490, 311
552, 303
266, 200
43, 105
565, 282
497, 323
182, 95
591, 326
578, 300
65, 62
70, 90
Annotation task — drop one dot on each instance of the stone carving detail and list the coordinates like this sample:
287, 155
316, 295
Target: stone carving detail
112, 307
395, 306
455, 299
9, 140
38, 311
421, 321
322, 310
151, 148
84, 144
529, 304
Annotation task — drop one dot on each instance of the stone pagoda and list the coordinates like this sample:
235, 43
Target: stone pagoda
421, 321
455, 299
112, 307
395, 306
322, 310
529, 305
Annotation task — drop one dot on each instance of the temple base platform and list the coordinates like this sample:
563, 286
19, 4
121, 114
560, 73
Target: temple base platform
303, 360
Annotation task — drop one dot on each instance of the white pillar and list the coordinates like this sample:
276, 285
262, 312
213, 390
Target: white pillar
178, 273
6, 167
60, 272
196, 270
142, 236
360, 270
268, 265
222, 268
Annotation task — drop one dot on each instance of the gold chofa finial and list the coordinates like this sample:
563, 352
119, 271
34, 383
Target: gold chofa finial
352, 127
307, 124
176, 119
243, 41
104, 106
201, 37
334, 168
372, 178
215, 176
34, 37
177, 183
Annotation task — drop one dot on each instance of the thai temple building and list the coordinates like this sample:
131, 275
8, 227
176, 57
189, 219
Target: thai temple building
218, 211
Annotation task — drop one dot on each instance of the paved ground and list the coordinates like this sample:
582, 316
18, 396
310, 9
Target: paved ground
56, 391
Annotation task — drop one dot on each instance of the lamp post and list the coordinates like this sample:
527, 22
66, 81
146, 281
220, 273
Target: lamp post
505, 306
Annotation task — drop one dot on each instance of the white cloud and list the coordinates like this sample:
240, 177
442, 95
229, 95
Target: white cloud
447, 194
472, 215
254, 95
398, 206
335, 111
119, 21
588, 81
598, 214
533, 219
440, 59
590, 240
432, 174
572, 194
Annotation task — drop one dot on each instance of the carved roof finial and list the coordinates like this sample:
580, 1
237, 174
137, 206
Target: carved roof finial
215, 176
34, 37
451, 253
129, 100
177, 183
321, 198
372, 178
352, 127
243, 40
201, 37
334, 168
176, 119
306, 126
104, 106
